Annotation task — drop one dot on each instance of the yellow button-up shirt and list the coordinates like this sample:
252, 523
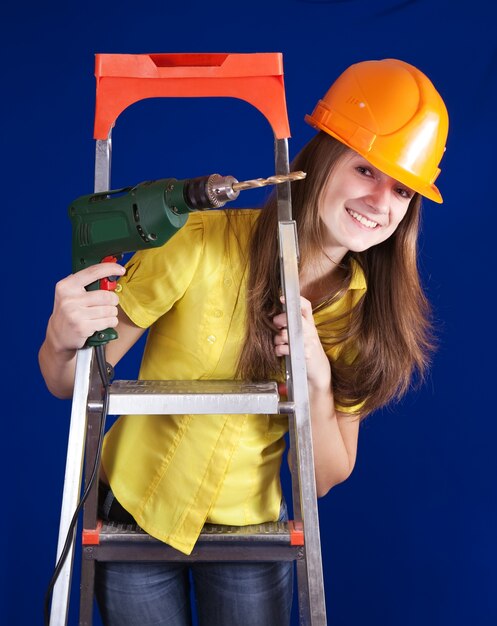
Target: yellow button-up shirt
174, 473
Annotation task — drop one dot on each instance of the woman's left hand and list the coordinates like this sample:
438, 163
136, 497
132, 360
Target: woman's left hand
318, 366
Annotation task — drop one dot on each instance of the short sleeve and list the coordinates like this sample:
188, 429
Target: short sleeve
157, 278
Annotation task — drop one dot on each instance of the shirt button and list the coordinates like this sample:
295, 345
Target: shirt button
218, 313
227, 282
211, 339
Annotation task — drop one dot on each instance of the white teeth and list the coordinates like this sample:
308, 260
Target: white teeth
363, 220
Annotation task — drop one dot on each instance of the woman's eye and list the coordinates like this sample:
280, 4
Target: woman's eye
364, 170
404, 193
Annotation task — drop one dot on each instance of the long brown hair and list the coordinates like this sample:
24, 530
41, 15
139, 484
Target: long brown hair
389, 328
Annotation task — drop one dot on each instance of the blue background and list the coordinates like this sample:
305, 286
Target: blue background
411, 537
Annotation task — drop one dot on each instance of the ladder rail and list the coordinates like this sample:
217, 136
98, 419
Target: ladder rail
72, 485
311, 585
312, 604
77, 431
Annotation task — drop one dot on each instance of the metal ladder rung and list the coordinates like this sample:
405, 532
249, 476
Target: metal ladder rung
151, 397
271, 532
271, 541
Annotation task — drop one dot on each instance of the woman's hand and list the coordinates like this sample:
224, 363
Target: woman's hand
318, 366
78, 313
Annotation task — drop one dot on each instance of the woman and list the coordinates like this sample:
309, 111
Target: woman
211, 298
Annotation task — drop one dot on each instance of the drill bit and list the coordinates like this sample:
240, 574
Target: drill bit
222, 189
272, 180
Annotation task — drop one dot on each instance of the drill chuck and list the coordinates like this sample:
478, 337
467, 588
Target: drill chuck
210, 192
214, 191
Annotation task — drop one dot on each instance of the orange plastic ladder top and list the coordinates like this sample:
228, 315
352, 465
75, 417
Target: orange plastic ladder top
123, 79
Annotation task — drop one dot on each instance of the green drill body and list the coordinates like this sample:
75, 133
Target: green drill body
124, 220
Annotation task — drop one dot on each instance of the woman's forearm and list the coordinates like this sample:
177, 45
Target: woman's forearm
57, 365
334, 439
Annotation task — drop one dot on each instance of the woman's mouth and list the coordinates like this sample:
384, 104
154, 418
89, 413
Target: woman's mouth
361, 219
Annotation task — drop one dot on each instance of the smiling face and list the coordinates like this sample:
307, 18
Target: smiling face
360, 206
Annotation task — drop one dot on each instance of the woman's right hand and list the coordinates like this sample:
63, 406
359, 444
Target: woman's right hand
78, 313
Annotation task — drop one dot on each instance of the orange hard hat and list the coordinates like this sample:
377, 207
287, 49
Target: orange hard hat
391, 114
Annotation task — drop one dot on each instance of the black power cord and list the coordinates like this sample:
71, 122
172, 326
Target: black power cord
106, 373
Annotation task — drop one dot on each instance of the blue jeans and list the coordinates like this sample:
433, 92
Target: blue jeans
226, 594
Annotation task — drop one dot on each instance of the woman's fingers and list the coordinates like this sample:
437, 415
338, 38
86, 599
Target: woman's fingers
78, 281
79, 313
318, 368
281, 337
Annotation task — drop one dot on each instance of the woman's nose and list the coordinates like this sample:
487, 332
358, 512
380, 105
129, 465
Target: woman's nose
379, 199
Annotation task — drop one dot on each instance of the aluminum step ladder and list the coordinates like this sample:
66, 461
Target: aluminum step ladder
258, 79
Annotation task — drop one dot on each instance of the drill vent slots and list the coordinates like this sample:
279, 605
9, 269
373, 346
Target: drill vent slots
84, 234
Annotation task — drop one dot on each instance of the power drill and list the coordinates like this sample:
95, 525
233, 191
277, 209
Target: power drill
105, 225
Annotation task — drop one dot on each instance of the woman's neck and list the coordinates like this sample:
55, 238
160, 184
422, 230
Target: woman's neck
321, 278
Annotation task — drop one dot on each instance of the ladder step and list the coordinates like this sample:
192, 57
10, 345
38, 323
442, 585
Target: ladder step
270, 532
151, 397
272, 541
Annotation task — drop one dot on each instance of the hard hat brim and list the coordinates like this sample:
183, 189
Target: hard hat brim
402, 175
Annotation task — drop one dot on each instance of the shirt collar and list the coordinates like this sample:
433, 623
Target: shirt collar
358, 280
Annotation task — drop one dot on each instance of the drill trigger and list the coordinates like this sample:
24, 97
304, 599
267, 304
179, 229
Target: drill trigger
110, 282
